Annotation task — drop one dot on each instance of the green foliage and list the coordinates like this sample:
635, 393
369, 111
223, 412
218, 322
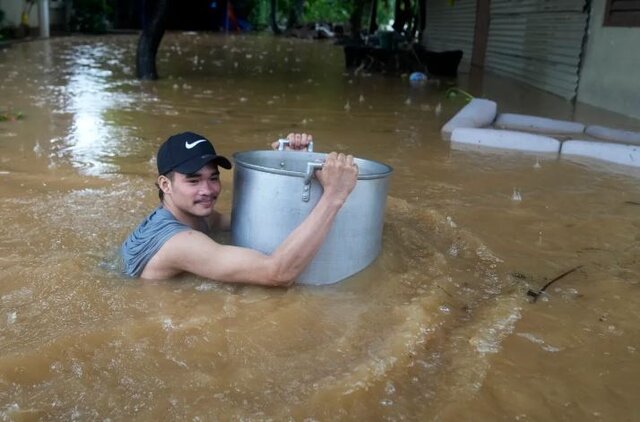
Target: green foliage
334, 11
458, 92
1, 21
339, 11
259, 16
90, 16
385, 13
11, 116
329, 11
7, 32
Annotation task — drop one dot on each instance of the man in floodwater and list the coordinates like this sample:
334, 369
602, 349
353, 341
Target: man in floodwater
173, 239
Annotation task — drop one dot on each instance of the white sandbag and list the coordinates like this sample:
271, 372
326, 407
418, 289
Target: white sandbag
478, 113
537, 124
628, 155
611, 134
506, 139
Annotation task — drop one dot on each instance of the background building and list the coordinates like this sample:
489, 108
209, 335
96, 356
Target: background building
581, 50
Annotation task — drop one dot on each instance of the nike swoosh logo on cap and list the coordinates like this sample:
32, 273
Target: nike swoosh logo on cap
193, 144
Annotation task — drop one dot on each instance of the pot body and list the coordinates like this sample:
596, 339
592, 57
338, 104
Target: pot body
274, 191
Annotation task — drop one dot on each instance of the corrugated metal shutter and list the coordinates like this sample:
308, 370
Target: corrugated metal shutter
538, 42
451, 27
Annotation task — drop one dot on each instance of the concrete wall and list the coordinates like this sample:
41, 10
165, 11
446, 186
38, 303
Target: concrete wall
609, 76
12, 11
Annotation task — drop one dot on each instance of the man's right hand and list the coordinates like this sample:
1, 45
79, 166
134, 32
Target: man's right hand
338, 176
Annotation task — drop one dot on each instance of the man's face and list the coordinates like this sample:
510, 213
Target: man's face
196, 193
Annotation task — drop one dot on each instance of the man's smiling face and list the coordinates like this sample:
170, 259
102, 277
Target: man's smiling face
196, 193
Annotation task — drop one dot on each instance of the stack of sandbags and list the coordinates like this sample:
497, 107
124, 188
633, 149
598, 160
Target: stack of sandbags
478, 125
471, 126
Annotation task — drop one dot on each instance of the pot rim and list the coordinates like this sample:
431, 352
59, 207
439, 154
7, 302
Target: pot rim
240, 161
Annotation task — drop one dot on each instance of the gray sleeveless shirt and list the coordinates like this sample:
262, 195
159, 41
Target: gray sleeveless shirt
147, 239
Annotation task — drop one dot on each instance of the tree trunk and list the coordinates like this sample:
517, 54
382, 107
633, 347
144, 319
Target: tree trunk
413, 23
397, 16
373, 18
273, 18
295, 15
356, 19
422, 18
403, 15
154, 16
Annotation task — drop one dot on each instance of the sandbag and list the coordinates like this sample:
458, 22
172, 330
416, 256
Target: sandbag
628, 155
611, 134
506, 139
478, 113
537, 124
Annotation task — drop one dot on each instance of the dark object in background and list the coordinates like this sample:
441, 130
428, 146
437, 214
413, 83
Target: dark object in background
444, 63
400, 60
90, 16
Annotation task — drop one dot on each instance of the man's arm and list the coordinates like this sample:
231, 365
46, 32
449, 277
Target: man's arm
196, 253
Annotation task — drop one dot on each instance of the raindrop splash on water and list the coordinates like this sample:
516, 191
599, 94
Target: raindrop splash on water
516, 196
37, 149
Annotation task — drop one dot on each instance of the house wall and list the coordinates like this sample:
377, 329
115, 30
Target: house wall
609, 76
12, 11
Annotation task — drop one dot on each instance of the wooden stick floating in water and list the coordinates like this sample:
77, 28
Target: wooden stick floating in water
535, 294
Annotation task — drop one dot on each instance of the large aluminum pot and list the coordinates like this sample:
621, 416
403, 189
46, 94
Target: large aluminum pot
275, 190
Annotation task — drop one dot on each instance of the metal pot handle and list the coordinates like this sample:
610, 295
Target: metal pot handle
311, 169
283, 142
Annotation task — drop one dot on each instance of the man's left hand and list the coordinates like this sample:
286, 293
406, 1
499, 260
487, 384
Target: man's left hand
297, 142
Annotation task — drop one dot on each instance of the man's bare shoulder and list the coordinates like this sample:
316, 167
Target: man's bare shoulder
178, 253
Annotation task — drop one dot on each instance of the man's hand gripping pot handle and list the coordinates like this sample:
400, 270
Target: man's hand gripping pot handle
294, 142
338, 176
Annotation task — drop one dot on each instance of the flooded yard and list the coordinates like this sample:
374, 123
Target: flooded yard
440, 327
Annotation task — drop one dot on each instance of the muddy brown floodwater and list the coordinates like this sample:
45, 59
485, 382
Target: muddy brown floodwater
438, 328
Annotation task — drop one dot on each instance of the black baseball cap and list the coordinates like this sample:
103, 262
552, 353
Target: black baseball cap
187, 153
